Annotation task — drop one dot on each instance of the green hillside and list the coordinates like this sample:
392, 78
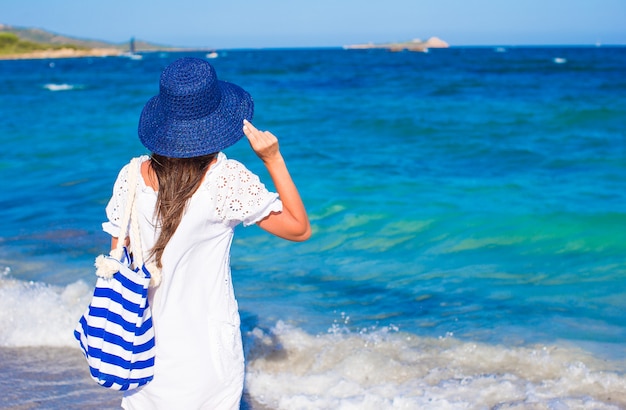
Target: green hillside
24, 40
11, 44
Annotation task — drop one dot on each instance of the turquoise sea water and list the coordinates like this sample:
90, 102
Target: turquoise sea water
468, 207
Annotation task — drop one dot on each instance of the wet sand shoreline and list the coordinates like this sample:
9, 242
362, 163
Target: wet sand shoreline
58, 378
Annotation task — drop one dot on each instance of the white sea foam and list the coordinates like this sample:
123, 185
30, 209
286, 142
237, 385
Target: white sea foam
37, 314
289, 369
59, 87
384, 368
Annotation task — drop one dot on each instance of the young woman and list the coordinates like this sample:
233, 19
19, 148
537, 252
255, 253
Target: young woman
189, 199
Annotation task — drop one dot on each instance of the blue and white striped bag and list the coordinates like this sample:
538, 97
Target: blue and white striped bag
116, 333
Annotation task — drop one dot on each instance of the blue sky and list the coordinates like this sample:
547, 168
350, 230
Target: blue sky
323, 23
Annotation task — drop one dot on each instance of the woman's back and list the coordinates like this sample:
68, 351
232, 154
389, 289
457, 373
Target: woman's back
194, 309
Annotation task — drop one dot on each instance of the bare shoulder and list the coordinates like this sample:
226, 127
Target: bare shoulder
148, 175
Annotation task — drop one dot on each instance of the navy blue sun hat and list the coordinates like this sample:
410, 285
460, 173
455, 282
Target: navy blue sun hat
194, 113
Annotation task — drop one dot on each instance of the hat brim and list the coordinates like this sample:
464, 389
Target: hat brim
173, 137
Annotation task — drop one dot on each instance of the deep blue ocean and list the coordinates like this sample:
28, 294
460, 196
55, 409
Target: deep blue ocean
469, 216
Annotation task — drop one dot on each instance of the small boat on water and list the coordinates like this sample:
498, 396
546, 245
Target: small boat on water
131, 53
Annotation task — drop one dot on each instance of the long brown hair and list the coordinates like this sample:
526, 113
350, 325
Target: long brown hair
178, 179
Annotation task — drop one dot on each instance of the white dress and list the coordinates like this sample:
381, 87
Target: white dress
199, 360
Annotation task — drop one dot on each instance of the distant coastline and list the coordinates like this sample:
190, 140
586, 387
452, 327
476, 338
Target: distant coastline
24, 43
63, 53
30, 43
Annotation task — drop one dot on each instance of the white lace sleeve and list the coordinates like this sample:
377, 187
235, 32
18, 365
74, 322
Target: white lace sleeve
117, 203
244, 198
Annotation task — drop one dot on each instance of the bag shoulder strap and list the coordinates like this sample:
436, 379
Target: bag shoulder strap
134, 173
105, 269
131, 226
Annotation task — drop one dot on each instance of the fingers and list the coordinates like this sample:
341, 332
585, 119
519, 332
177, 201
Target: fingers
257, 137
264, 143
248, 128
251, 132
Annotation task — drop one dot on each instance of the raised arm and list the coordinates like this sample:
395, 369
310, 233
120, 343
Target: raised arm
292, 223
